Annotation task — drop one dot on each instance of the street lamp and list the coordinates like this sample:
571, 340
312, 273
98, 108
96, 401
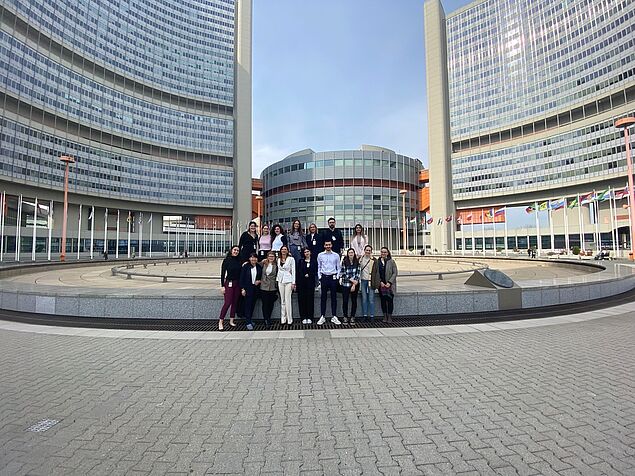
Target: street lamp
403, 193
625, 123
67, 161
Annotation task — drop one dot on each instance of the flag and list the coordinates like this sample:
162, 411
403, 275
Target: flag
150, 219
430, 221
459, 221
620, 194
469, 217
90, 216
500, 212
449, 218
140, 218
573, 203
605, 195
543, 206
439, 221
556, 204
588, 198
414, 220
106, 213
489, 213
129, 219
530, 208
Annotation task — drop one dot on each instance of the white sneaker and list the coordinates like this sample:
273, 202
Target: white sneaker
321, 321
309, 321
335, 320
303, 321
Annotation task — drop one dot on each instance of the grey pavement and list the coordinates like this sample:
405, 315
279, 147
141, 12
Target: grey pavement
556, 399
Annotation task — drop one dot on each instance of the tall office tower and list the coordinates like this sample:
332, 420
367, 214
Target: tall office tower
152, 99
533, 92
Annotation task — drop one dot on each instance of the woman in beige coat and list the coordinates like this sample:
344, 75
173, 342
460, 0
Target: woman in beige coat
385, 273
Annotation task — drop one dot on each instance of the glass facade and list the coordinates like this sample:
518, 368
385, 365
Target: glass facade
353, 186
534, 90
141, 94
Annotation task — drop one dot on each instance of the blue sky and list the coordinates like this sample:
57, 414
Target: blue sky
335, 74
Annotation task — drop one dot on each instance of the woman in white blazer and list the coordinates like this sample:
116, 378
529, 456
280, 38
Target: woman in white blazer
286, 284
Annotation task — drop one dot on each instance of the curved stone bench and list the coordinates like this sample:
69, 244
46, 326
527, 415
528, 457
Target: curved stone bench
611, 279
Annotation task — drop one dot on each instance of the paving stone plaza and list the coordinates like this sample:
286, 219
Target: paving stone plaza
552, 396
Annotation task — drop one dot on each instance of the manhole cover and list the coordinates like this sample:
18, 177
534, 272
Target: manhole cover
42, 425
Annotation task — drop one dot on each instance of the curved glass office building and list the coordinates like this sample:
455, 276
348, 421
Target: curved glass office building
353, 186
151, 99
533, 90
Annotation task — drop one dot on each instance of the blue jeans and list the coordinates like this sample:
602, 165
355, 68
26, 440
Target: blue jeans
368, 299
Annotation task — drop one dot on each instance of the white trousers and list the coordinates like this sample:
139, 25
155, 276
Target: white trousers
285, 303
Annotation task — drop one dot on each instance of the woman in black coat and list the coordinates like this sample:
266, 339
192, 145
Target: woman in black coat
248, 243
250, 278
305, 282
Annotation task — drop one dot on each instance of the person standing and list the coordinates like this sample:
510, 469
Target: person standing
386, 275
314, 242
264, 243
306, 279
367, 265
229, 278
334, 236
278, 238
269, 286
248, 243
350, 284
286, 284
359, 240
250, 278
296, 240
329, 268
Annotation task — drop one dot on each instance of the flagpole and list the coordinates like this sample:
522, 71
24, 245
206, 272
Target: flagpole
2, 214
18, 224
117, 245
630, 220
129, 231
616, 224
50, 223
580, 223
483, 229
506, 233
596, 213
550, 217
566, 225
150, 235
169, 224
79, 229
538, 237
140, 234
473, 238
92, 230
106, 232
493, 214
612, 222
34, 230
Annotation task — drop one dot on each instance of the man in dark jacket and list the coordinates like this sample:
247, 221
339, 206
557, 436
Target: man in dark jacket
334, 235
250, 277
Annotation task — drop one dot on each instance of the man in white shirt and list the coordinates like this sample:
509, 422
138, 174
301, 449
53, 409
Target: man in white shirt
329, 267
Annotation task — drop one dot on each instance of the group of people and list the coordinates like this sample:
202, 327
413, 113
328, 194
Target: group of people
276, 264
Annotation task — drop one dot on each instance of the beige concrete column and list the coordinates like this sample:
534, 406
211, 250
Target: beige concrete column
439, 145
242, 113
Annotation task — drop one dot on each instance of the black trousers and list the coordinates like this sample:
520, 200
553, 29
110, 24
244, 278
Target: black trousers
249, 304
387, 302
306, 305
346, 293
327, 283
268, 300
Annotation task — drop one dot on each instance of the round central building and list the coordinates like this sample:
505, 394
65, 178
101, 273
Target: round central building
353, 186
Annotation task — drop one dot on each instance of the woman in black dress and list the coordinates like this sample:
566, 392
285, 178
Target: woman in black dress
248, 243
305, 280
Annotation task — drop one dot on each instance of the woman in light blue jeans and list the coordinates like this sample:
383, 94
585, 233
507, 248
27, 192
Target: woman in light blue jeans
367, 289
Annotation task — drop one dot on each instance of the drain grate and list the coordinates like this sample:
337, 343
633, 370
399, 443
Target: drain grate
43, 425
